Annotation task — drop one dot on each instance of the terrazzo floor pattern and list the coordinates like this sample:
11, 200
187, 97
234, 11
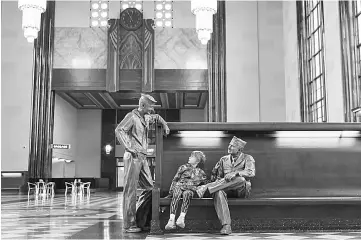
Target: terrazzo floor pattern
99, 217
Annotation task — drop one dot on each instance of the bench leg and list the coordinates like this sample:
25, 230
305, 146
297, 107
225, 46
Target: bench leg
155, 227
155, 223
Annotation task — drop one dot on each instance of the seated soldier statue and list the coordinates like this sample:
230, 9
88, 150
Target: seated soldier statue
231, 177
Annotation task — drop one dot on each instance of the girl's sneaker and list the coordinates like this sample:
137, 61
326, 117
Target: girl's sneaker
170, 225
180, 221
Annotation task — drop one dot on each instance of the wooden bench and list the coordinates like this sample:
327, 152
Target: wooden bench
308, 176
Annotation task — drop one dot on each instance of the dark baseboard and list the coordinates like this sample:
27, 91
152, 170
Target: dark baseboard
13, 190
257, 215
269, 224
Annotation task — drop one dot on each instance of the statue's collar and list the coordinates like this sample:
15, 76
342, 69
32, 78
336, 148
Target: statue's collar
136, 112
238, 160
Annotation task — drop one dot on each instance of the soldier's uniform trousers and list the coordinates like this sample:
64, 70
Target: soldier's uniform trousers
136, 170
240, 189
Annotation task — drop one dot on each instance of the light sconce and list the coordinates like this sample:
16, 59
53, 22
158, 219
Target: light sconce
32, 10
108, 149
11, 174
63, 160
204, 11
316, 134
202, 134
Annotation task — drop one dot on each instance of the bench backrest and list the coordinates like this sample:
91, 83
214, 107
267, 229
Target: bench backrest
281, 163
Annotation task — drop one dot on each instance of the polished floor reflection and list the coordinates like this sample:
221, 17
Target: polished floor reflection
99, 217
95, 217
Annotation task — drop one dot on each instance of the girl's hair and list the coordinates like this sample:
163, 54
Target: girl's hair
201, 158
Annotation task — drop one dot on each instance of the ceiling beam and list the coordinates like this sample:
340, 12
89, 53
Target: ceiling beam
181, 99
94, 100
177, 100
191, 106
90, 107
203, 100
164, 100
69, 99
109, 100
136, 106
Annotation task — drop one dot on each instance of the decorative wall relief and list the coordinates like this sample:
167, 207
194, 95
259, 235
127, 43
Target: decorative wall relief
130, 57
130, 49
112, 84
125, 55
179, 48
148, 56
80, 48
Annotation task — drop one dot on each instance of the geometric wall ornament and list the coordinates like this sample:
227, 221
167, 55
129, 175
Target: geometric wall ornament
138, 4
99, 13
163, 13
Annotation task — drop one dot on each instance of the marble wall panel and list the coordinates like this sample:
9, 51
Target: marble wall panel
86, 48
83, 48
179, 48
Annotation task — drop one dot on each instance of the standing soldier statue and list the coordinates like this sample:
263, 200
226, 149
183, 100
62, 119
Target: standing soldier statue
132, 131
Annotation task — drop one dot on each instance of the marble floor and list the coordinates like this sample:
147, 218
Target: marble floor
99, 217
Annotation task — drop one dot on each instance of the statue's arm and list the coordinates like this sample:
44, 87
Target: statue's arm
250, 168
179, 173
160, 120
215, 174
204, 179
176, 178
122, 132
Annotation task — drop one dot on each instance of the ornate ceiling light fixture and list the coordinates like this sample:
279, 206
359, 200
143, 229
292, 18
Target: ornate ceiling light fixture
163, 11
138, 4
204, 10
99, 13
32, 10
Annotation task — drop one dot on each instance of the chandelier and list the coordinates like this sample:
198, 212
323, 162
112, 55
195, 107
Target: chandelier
32, 10
204, 10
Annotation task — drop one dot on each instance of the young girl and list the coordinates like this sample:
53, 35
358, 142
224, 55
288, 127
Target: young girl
184, 184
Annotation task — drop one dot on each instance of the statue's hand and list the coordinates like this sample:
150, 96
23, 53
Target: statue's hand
134, 154
230, 176
166, 130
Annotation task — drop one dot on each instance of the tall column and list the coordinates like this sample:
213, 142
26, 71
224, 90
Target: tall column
271, 66
333, 65
42, 117
216, 54
352, 101
292, 82
242, 61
